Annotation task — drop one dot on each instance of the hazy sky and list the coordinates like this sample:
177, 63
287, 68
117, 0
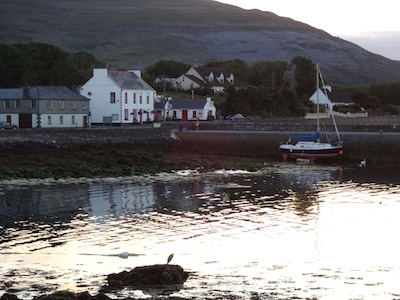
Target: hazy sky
373, 25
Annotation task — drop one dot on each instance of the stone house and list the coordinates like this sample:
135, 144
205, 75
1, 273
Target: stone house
201, 77
120, 96
185, 109
44, 107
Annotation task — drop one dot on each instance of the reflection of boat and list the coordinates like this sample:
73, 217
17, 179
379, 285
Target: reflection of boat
310, 147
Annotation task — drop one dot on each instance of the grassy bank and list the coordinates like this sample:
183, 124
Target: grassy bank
104, 160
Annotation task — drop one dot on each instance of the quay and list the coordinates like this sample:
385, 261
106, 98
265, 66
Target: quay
374, 139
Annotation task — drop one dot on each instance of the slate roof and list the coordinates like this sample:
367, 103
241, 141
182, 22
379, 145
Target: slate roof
196, 79
188, 104
128, 80
338, 96
40, 93
205, 73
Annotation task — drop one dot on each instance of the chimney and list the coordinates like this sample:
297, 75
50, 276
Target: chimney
100, 72
25, 92
138, 73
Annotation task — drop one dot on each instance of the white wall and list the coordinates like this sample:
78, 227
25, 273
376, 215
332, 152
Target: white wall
14, 118
98, 89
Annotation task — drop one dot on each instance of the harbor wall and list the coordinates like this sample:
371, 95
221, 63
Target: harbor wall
378, 142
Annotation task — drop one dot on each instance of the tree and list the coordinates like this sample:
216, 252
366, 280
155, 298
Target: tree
268, 73
167, 69
304, 74
44, 64
10, 65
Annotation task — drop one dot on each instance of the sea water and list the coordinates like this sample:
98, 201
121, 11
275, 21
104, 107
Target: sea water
287, 231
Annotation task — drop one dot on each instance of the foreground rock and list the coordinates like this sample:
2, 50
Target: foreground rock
154, 275
154, 280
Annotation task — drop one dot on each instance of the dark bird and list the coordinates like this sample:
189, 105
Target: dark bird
170, 258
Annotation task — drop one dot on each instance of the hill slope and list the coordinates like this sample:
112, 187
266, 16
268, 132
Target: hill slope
137, 33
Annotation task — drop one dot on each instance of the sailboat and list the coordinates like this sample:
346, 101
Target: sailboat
310, 147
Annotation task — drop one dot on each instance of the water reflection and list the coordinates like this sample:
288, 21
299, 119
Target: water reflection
291, 231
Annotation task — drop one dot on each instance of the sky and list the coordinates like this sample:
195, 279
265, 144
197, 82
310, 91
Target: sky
373, 25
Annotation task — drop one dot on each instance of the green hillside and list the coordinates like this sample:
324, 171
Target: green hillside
136, 33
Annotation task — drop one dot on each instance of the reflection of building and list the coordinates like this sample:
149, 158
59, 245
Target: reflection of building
122, 96
132, 198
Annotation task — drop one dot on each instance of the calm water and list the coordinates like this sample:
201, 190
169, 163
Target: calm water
290, 231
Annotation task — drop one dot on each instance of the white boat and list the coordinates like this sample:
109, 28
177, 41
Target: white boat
310, 147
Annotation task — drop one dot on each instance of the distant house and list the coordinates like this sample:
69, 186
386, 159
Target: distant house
333, 96
200, 77
122, 96
44, 107
185, 109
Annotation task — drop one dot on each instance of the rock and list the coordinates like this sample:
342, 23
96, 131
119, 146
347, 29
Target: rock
153, 275
7, 296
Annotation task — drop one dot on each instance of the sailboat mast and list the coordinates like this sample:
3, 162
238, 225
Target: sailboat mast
317, 81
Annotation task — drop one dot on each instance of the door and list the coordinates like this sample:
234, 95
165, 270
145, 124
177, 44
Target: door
184, 114
25, 121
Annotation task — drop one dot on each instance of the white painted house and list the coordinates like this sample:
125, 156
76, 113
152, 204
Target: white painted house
185, 109
44, 107
200, 77
122, 96
329, 97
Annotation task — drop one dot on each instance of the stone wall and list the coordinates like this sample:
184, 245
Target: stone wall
36, 138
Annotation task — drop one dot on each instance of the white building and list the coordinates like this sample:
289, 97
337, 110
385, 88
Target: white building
44, 107
122, 96
201, 77
185, 109
329, 97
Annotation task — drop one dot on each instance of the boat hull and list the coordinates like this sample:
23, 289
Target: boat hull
310, 150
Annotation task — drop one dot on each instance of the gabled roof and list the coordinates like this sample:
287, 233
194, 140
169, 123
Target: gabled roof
40, 93
196, 79
205, 72
128, 80
338, 96
188, 104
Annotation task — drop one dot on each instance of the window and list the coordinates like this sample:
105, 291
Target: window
72, 120
126, 98
61, 105
84, 105
61, 120
148, 99
112, 97
126, 114
17, 104
7, 104
48, 120
33, 104
73, 104
140, 98
194, 115
134, 98
174, 114
49, 105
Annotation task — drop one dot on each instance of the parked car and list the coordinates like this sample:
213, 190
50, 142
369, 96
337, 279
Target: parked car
6, 125
235, 117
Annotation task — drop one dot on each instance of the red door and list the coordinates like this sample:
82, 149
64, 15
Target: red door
184, 114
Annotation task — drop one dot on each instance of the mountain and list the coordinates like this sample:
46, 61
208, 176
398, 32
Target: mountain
137, 33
